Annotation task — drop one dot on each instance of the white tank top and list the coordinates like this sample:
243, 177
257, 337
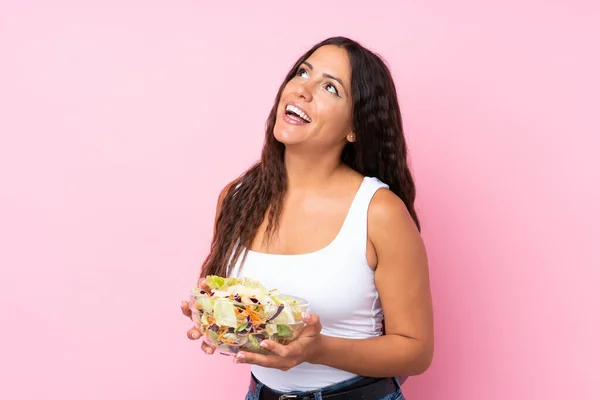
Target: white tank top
338, 283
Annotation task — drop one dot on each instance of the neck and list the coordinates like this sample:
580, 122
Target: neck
310, 170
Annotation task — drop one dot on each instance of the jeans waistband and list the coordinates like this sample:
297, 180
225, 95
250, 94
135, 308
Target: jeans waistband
383, 386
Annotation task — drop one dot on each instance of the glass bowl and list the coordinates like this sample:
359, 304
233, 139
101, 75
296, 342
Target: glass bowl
233, 322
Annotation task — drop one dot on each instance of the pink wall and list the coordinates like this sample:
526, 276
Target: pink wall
120, 123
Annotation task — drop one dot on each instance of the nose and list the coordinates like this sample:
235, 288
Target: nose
304, 91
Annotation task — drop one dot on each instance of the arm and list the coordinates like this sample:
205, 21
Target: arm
402, 280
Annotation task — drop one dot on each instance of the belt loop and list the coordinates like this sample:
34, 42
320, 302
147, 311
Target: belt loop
259, 387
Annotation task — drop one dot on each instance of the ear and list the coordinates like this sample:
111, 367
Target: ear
351, 137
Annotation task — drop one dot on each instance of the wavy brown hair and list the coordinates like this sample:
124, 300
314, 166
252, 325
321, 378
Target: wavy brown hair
378, 151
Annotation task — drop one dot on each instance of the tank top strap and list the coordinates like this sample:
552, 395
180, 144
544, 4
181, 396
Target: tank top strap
354, 230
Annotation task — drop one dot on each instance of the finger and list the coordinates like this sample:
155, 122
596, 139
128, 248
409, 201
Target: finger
266, 361
313, 324
185, 309
203, 285
207, 348
278, 349
193, 334
311, 319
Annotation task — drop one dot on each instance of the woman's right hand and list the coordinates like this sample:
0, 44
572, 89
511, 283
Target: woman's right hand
193, 333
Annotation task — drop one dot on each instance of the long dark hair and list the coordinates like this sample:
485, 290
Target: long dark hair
378, 151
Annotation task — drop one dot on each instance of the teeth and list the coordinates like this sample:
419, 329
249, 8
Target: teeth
298, 112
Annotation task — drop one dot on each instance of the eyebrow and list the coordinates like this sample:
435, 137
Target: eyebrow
328, 76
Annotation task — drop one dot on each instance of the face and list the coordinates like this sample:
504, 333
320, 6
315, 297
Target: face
316, 106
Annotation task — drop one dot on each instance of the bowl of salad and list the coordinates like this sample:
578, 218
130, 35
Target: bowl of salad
238, 313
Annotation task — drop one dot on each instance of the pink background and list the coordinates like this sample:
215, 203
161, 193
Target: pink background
120, 122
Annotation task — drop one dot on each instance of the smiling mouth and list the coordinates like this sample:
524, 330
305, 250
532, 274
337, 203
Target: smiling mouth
297, 114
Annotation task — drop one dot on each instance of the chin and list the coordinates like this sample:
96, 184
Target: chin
285, 138
287, 135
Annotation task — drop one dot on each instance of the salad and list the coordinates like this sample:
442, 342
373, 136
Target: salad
238, 313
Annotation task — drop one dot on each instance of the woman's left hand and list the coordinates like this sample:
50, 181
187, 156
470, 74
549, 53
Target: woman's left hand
303, 349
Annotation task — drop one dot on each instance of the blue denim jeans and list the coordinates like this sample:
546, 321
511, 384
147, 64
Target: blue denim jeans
396, 395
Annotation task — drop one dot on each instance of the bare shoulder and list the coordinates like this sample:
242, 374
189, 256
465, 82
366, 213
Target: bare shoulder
221, 198
392, 231
388, 213
224, 192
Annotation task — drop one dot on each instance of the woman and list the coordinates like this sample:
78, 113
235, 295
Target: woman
327, 214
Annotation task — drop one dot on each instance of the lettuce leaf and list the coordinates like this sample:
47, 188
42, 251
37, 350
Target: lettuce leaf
224, 313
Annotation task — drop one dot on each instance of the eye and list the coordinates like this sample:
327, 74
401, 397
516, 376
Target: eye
332, 89
302, 72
